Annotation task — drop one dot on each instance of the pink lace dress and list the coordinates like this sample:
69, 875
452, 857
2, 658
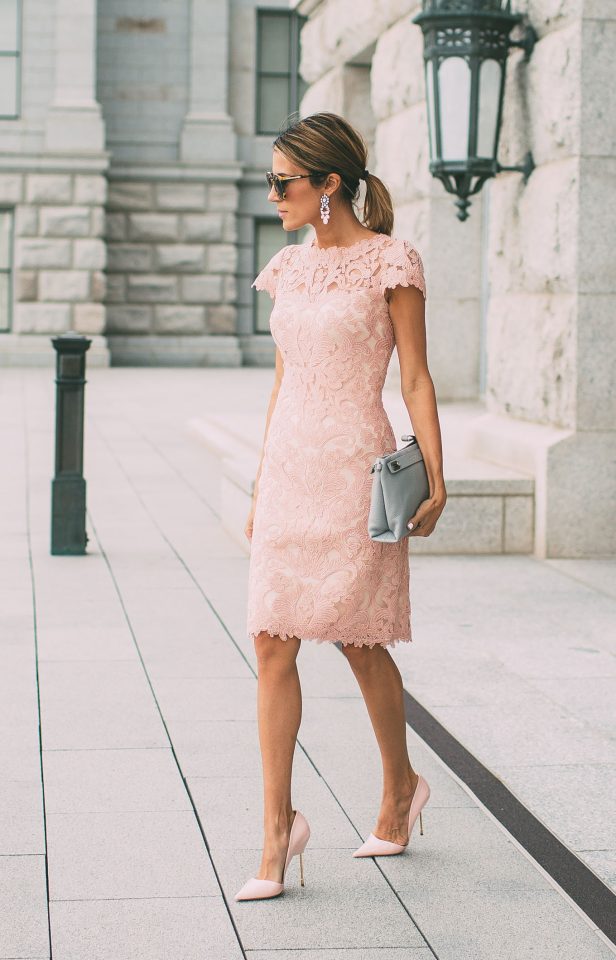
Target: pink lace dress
314, 572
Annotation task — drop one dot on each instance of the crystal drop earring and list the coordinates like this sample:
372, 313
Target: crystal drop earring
325, 208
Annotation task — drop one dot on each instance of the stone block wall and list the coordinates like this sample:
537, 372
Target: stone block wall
59, 257
534, 227
171, 265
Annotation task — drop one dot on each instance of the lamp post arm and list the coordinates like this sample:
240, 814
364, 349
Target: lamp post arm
526, 167
527, 42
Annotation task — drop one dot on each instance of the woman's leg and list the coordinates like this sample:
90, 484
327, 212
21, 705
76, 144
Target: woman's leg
381, 685
279, 707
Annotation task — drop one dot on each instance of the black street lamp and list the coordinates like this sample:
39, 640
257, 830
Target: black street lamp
466, 43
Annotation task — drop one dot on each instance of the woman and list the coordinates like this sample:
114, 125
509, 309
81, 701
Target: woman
341, 302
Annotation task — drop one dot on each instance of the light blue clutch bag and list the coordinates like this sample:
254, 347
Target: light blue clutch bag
399, 485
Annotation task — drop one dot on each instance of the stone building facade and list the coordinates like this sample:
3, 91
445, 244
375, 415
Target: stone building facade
523, 293
132, 193
133, 209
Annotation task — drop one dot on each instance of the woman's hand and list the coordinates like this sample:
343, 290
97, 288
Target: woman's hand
423, 522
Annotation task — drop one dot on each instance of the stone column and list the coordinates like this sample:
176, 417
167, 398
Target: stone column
74, 121
208, 134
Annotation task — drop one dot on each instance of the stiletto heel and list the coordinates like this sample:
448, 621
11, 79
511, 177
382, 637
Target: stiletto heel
256, 889
376, 847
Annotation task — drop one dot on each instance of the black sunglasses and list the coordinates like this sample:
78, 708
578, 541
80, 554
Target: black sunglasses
278, 182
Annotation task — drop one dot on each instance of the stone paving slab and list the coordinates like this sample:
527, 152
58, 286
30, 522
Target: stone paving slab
95, 705
101, 856
158, 928
23, 907
21, 817
113, 781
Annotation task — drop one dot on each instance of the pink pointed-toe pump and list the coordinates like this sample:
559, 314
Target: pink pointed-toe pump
375, 847
255, 889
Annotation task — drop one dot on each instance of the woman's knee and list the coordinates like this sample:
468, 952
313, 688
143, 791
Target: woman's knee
363, 659
274, 651
358, 656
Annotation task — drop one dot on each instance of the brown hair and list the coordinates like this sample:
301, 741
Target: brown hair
327, 143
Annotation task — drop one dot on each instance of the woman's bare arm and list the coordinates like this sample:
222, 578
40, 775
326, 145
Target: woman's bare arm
407, 312
274, 396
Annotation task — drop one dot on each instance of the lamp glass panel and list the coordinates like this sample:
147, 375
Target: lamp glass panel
454, 80
430, 105
490, 76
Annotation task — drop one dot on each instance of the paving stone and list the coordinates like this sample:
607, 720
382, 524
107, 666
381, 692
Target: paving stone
23, 907
216, 748
196, 699
548, 788
21, 817
188, 927
106, 781
89, 860
94, 705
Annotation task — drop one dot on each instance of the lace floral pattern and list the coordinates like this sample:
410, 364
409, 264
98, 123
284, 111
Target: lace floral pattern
314, 571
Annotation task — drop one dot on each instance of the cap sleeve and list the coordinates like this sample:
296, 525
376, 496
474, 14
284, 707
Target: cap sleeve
401, 266
267, 279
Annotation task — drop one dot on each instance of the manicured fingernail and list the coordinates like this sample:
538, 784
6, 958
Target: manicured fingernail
410, 525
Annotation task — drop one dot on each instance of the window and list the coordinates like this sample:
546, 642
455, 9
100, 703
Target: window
6, 243
10, 30
267, 242
279, 85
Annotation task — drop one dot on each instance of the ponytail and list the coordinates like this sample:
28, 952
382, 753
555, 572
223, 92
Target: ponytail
378, 208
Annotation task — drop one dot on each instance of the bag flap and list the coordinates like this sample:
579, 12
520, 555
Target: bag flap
403, 458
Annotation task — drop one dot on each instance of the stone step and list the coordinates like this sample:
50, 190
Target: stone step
490, 508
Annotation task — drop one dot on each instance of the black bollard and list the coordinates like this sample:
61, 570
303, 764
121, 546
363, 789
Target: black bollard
68, 487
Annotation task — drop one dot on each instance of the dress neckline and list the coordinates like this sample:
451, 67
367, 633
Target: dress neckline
349, 246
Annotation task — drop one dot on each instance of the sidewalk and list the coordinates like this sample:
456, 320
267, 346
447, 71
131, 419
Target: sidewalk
129, 835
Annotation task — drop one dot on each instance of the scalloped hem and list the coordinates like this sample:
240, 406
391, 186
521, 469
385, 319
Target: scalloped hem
345, 641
